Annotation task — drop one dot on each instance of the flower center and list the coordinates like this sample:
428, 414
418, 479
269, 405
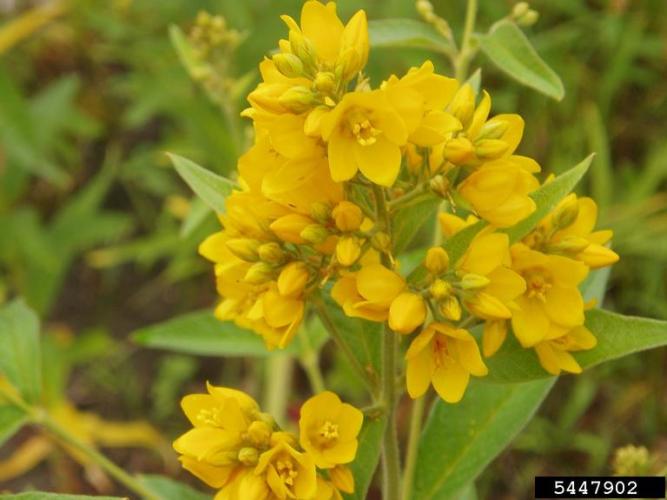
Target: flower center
211, 416
537, 285
328, 432
363, 129
286, 471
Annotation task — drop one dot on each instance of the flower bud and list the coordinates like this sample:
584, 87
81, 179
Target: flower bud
298, 99
381, 242
567, 213
450, 308
325, 82
288, 227
520, 9
424, 8
528, 19
258, 273
487, 306
463, 105
348, 250
320, 211
436, 261
473, 281
493, 129
271, 253
292, 279
248, 456
288, 64
303, 48
570, 244
259, 432
440, 185
314, 233
342, 478
459, 150
348, 216
244, 248
489, 149
440, 289
407, 312
596, 256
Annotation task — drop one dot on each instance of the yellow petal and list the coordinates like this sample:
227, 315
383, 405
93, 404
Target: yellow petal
470, 358
565, 306
322, 26
378, 284
495, 333
407, 312
380, 162
450, 382
530, 322
418, 373
342, 161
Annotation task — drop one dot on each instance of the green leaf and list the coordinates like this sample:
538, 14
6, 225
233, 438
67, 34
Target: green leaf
460, 440
195, 66
211, 188
410, 33
547, 198
509, 49
407, 221
203, 334
368, 456
19, 349
42, 495
617, 336
168, 489
11, 420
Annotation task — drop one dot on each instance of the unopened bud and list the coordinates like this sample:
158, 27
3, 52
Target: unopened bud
348, 250
259, 272
303, 48
440, 289
571, 244
293, 279
436, 261
244, 248
520, 9
473, 281
381, 242
298, 99
288, 64
450, 308
463, 105
488, 149
493, 129
567, 213
271, 253
348, 216
248, 456
320, 211
314, 233
424, 8
439, 185
259, 432
288, 227
325, 82
459, 150
342, 478
528, 19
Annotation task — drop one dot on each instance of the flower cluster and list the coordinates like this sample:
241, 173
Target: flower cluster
238, 449
335, 160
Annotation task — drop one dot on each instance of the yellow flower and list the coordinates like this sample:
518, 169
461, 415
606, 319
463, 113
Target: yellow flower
498, 190
288, 473
365, 133
328, 430
407, 312
283, 314
554, 353
552, 304
369, 292
292, 279
445, 357
570, 231
348, 250
348, 216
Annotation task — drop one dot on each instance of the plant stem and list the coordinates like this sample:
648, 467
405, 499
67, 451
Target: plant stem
41, 418
277, 384
391, 466
416, 417
347, 351
466, 53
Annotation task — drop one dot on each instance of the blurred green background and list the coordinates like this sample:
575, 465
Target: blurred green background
100, 236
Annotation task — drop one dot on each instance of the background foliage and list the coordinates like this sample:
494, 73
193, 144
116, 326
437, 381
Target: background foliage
99, 234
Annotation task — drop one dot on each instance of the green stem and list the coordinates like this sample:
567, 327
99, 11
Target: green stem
391, 467
330, 326
277, 385
466, 53
40, 417
311, 365
416, 417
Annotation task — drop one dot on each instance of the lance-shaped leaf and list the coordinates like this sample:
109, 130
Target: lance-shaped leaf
210, 187
460, 440
617, 336
368, 456
407, 221
396, 33
20, 358
509, 49
168, 489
